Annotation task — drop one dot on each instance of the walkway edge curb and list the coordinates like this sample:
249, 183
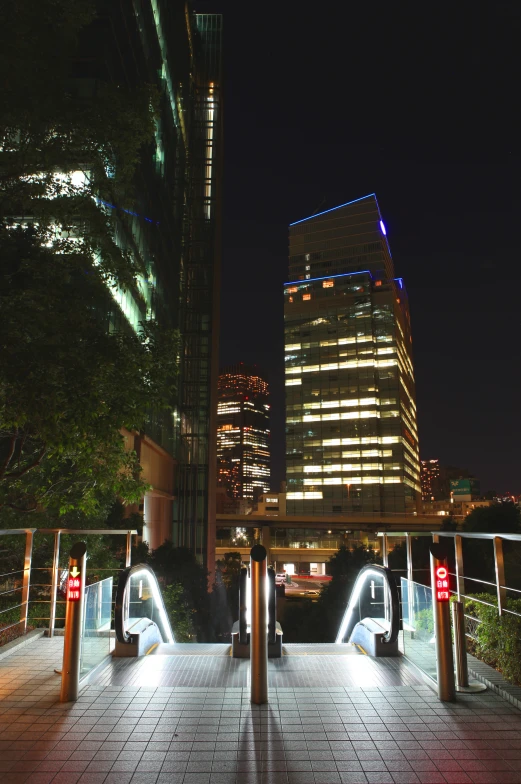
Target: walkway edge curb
11, 647
494, 681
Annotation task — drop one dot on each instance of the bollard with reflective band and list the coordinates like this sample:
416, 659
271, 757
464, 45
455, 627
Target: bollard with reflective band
73, 623
441, 612
259, 626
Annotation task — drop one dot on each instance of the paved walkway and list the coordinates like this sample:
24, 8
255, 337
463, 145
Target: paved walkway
130, 727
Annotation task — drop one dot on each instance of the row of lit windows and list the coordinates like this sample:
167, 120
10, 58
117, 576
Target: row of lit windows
360, 338
366, 480
361, 440
349, 480
352, 363
350, 403
346, 468
314, 469
333, 417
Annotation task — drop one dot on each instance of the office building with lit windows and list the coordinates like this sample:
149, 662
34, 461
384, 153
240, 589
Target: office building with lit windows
351, 433
430, 480
243, 435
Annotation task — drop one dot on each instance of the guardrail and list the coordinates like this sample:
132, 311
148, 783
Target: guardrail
22, 581
459, 578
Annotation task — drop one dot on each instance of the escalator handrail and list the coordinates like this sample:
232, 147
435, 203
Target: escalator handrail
391, 635
123, 585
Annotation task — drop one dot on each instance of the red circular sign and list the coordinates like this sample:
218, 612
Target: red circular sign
441, 572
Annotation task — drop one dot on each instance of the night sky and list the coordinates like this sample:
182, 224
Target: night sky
418, 103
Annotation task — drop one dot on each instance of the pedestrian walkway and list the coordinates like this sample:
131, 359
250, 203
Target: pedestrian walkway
188, 720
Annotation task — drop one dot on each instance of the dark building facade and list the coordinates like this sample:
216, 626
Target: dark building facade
351, 433
175, 231
243, 435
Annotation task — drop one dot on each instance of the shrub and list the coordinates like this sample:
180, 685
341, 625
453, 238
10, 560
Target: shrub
498, 637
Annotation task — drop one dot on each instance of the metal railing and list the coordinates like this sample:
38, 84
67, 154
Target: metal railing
23, 580
497, 587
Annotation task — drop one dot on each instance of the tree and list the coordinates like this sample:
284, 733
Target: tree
72, 376
180, 613
501, 518
179, 566
319, 621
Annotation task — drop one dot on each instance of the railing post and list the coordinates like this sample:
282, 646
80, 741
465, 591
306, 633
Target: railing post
54, 582
385, 550
460, 577
460, 645
408, 548
259, 626
73, 623
24, 609
499, 564
128, 555
441, 613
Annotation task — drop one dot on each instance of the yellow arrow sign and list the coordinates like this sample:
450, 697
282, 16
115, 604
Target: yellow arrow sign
75, 571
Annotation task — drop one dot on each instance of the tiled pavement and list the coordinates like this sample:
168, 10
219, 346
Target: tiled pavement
150, 733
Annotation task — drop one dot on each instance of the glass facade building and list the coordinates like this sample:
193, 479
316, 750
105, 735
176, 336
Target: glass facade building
351, 433
243, 435
174, 229
172, 233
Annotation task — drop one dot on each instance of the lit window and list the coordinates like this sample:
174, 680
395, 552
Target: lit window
306, 296
328, 284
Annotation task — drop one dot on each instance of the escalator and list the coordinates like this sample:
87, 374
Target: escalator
141, 621
371, 621
140, 618
372, 616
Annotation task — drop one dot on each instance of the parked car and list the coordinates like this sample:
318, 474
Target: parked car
280, 578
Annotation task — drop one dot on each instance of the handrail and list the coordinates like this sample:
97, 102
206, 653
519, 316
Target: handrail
391, 595
122, 603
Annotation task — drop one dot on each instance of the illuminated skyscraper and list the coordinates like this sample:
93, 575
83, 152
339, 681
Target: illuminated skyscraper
243, 435
351, 434
430, 480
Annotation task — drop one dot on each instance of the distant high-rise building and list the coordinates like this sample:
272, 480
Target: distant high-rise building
440, 482
243, 435
351, 434
430, 480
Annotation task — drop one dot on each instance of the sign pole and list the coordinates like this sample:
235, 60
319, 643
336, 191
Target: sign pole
442, 633
73, 623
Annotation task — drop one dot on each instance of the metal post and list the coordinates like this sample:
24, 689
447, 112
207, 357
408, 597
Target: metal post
24, 609
499, 564
385, 550
73, 624
460, 646
54, 582
128, 556
440, 609
259, 630
408, 549
460, 577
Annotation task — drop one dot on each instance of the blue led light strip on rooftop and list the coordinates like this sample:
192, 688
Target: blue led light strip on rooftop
334, 208
328, 277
